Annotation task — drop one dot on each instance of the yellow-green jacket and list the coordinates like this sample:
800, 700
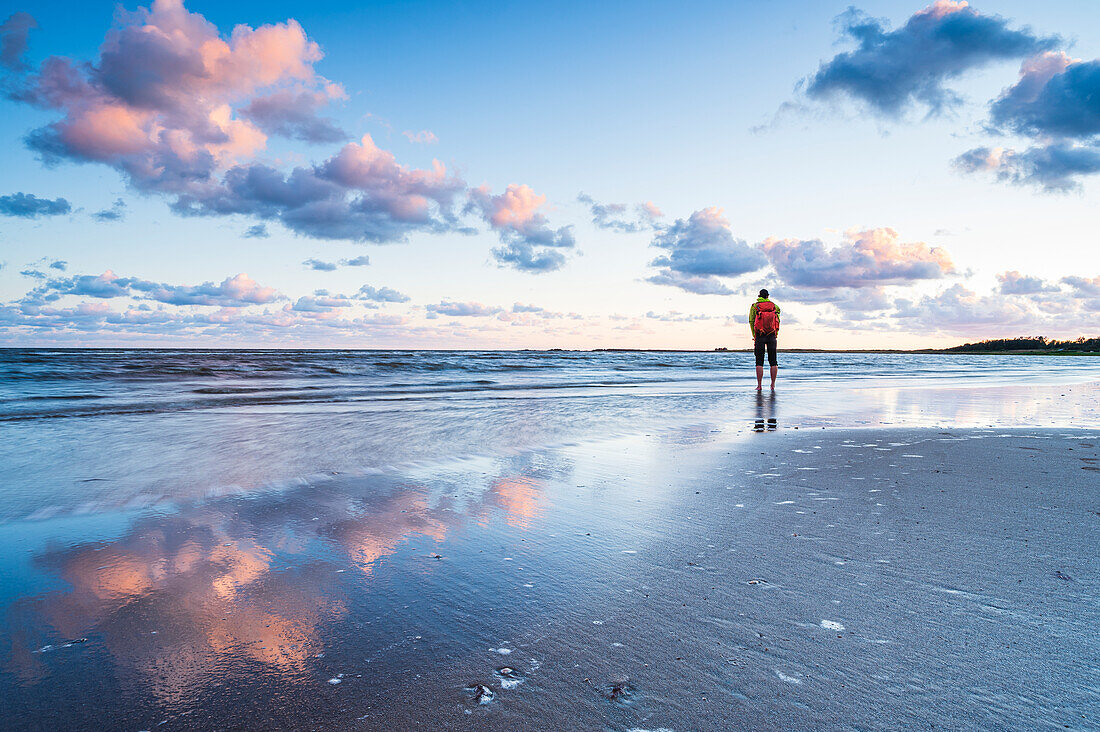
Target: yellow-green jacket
752, 316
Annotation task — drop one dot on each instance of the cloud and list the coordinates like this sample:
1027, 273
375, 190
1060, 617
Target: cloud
676, 317
359, 194
380, 294
13, 40
865, 259
893, 70
424, 137
236, 291
521, 308
700, 250
319, 265
158, 104
59, 264
613, 216
180, 110
256, 231
1014, 283
1083, 287
530, 245
960, 310
320, 303
1054, 102
30, 206
323, 266
293, 114
1054, 96
116, 212
696, 284
462, 309
1055, 167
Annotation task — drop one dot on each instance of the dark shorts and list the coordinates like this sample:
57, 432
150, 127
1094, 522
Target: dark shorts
765, 342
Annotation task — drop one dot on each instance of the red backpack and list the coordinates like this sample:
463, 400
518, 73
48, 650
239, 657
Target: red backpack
767, 322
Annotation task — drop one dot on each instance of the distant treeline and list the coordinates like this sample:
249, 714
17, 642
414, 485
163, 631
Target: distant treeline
1034, 343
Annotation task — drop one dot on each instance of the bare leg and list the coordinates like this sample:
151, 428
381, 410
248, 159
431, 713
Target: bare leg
760, 378
760, 372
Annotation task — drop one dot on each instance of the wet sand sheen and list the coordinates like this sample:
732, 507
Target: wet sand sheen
784, 580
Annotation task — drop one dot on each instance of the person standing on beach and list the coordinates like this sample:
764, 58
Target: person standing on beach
764, 325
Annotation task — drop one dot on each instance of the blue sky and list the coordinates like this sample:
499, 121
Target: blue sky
773, 145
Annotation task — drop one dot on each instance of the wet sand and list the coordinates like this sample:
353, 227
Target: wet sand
698, 579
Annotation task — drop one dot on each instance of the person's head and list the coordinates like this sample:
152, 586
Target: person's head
764, 294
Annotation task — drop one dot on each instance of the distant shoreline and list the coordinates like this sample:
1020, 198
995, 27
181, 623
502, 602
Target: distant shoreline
902, 351
929, 351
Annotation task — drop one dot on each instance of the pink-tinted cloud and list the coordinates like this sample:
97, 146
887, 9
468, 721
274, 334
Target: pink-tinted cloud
424, 137
1014, 283
866, 258
236, 291
530, 244
361, 194
161, 103
185, 111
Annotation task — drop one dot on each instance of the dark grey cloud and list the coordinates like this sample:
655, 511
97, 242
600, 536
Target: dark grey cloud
116, 212
256, 231
699, 251
30, 206
865, 259
294, 115
618, 216
1056, 96
1056, 103
380, 294
13, 40
893, 70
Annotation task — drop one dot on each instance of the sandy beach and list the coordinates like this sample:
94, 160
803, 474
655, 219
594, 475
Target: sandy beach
700, 578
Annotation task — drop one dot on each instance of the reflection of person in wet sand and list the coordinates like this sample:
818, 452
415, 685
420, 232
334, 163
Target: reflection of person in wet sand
765, 413
764, 326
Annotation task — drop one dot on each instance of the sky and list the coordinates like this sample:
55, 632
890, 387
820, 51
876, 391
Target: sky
547, 175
